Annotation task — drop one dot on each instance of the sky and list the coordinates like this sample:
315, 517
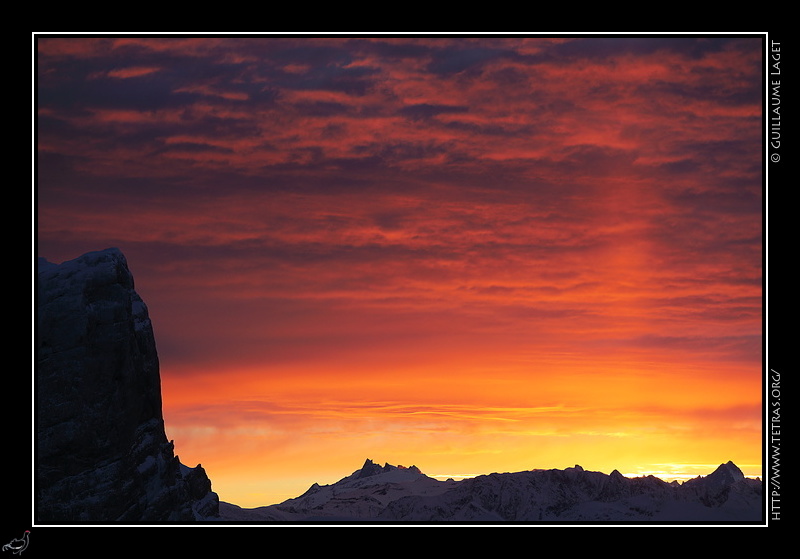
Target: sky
471, 254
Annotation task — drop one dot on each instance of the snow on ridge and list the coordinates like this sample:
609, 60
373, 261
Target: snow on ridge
44, 265
392, 493
111, 255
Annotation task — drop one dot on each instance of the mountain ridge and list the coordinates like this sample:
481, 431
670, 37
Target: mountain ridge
387, 494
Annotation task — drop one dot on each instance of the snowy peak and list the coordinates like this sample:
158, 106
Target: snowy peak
725, 474
729, 472
718, 485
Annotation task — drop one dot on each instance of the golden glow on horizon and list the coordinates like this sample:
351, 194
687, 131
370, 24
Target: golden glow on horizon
282, 426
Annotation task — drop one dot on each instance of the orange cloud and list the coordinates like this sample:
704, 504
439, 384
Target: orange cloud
132, 72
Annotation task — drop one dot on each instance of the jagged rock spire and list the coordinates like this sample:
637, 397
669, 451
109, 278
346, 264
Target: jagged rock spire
369, 468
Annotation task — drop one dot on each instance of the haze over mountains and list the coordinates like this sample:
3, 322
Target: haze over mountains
102, 455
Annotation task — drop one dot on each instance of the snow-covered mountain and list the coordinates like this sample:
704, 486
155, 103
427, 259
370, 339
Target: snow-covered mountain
364, 494
395, 494
101, 450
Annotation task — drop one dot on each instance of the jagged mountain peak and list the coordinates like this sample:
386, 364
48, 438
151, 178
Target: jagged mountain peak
729, 470
720, 479
370, 468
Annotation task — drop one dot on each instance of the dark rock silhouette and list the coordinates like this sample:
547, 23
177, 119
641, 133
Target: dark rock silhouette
101, 450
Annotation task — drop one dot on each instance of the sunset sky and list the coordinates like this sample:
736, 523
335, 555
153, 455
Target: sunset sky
470, 254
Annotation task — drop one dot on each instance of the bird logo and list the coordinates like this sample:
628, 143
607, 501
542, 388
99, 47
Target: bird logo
18, 545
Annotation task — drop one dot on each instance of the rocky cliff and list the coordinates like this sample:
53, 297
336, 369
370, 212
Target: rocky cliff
101, 451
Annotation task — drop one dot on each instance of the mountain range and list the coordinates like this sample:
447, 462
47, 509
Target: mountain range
573, 495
